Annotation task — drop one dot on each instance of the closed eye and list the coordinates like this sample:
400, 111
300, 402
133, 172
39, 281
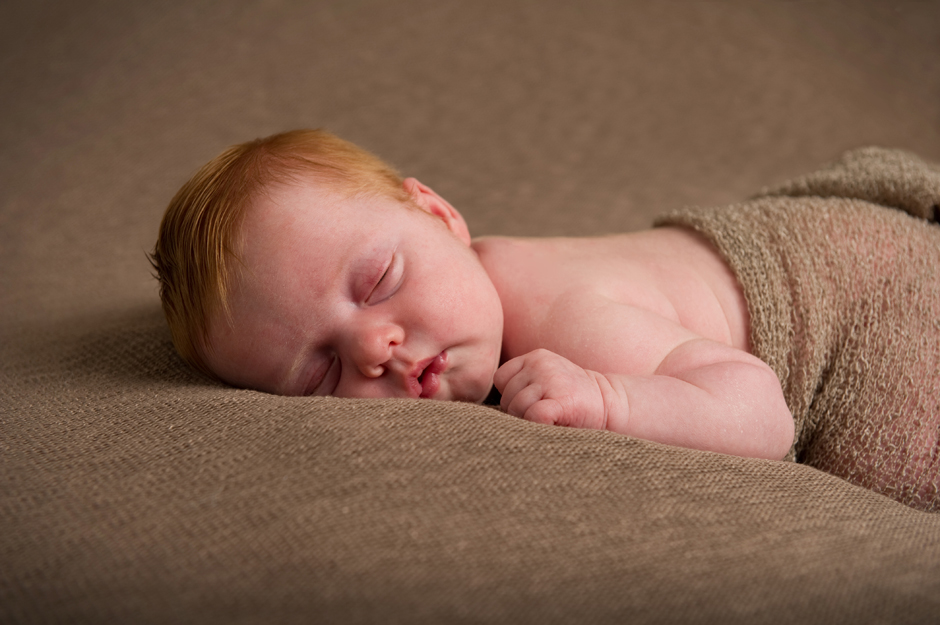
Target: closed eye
390, 281
324, 382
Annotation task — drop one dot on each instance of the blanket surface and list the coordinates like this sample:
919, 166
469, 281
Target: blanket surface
127, 503
134, 491
844, 297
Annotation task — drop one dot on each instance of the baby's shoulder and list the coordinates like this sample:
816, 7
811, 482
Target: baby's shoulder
650, 278
537, 271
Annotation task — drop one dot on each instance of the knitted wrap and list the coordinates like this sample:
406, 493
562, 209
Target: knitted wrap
844, 305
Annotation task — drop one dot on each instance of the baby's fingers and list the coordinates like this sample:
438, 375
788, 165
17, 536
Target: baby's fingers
548, 411
531, 404
519, 397
506, 372
515, 382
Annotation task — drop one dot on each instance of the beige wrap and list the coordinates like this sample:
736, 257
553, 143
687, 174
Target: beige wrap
844, 302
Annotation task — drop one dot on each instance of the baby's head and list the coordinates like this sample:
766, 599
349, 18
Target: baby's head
301, 264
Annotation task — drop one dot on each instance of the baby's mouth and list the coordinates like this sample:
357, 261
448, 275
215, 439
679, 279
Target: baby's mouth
430, 378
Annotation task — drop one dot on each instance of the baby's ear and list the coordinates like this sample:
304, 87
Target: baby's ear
429, 201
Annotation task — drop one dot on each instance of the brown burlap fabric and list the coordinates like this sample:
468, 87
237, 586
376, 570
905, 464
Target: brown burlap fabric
133, 491
892, 178
843, 297
137, 492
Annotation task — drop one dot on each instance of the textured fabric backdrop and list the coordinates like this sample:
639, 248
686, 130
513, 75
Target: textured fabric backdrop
132, 490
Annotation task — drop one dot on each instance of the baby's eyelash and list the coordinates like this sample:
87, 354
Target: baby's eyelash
388, 282
316, 387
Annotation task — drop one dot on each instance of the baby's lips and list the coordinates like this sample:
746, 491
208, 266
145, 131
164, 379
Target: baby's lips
430, 378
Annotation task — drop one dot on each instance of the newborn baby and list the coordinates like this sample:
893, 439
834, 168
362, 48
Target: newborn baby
301, 265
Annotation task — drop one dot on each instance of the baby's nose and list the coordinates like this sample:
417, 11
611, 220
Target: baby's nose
374, 349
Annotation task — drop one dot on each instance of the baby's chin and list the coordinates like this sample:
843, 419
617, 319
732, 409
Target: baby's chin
474, 393
480, 398
474, 397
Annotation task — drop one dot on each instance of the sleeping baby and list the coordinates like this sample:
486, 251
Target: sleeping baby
785, 327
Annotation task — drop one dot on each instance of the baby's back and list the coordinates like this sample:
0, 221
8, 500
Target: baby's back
616, 303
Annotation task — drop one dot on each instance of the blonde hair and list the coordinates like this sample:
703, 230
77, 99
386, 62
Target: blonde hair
197, 235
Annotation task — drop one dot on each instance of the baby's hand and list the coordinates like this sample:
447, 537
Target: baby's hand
543, 387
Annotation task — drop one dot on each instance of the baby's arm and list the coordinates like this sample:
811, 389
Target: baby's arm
703, 395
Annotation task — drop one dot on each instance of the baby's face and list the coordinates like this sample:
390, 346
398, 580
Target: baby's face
358, 298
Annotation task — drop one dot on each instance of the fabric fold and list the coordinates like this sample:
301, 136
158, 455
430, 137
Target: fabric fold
888, 177
843, 298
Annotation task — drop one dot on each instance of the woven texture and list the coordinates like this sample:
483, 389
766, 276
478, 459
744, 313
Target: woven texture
128, 503
892, 178
134, 491
843, 297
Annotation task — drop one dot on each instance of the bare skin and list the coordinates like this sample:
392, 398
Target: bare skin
644, 334
660, 314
